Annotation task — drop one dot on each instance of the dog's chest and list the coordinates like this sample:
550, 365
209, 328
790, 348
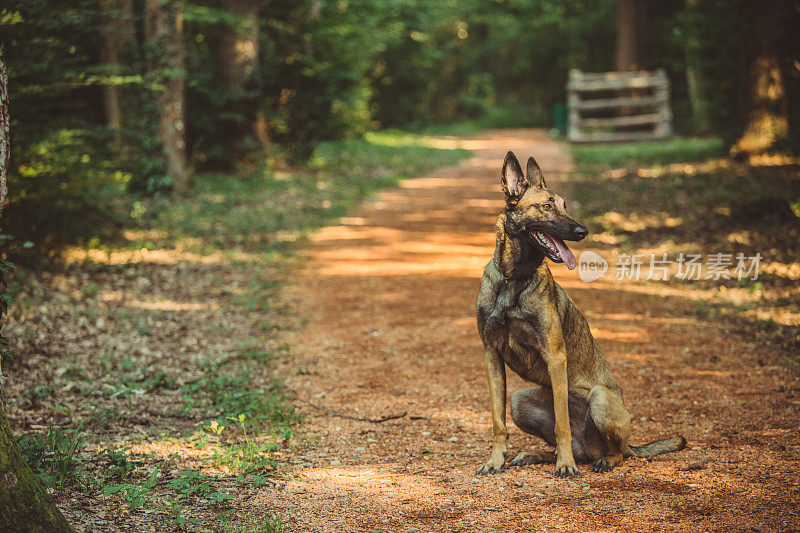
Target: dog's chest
521, 351
516, 332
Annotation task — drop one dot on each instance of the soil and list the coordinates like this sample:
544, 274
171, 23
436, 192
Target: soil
387, 297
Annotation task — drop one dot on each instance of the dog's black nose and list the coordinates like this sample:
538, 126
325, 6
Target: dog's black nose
580, 232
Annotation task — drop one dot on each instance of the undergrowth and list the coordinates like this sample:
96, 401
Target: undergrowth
634, 202
217, 407
52, 456
266, 211
674, 150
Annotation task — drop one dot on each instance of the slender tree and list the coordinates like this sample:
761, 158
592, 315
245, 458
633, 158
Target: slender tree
166, 57
238, 50
5, 137
633, 38
24, 504
118, 33
238, 61
763, 110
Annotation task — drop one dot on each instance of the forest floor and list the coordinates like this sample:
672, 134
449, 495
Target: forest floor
143, 353
388, 295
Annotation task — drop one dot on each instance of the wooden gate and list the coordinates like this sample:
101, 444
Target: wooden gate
618, 106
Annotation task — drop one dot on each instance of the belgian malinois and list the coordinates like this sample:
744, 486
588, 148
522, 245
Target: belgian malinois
528, 322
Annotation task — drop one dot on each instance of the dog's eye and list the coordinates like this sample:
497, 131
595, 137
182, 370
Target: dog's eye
547, 206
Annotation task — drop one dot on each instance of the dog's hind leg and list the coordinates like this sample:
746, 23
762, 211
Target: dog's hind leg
608, 428
533, 458
532, 412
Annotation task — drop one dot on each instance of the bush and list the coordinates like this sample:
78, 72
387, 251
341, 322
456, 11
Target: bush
62, 190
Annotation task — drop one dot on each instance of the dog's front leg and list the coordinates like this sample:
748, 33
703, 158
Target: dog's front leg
557, 368
496, 373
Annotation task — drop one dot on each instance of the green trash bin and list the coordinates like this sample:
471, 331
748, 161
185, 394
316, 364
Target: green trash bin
560, 119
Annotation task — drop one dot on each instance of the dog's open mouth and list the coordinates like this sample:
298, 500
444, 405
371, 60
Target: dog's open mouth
555, 249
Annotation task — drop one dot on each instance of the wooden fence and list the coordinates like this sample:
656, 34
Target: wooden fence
618, 106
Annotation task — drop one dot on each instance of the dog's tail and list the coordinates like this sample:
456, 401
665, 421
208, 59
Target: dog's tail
672, 444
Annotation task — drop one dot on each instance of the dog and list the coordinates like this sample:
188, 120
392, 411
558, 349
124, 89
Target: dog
527, 322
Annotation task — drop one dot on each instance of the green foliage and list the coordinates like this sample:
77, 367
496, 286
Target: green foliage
675, 150
708, 34
32, 396
137, 495
315, 72
63, 191
447, 61
247, 458
52, 456
267, 524
61, 171
227, 392
181, 491
119, 466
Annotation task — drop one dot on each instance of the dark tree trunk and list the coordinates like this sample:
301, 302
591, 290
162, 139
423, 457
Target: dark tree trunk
238, 51
117, 34
24, 504
238, 60
5, 137
763, 111
632, 36
164, 29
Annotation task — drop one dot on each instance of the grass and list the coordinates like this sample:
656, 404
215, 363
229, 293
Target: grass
268, 524
697, 204
176, 497
495, 117
230, 394
52, 456
633, 202
267, 211
674, 150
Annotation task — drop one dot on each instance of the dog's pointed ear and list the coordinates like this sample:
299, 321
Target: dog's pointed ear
534, 174
512, 180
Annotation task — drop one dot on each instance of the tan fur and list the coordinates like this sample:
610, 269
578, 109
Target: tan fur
528, 323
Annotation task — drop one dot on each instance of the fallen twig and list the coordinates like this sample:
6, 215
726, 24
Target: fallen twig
351, 417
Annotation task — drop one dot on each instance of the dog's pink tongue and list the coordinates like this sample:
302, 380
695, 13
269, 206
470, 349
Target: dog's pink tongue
566, 254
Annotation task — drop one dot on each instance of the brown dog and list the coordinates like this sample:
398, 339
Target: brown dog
528, 322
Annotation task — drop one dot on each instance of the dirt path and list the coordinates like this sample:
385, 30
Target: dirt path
388, 296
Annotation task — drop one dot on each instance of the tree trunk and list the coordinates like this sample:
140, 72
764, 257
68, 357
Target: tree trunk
763, 111
118, 33
164, 30
238, 51
625, 57
632, 36
238, 60
24, 504
5, 139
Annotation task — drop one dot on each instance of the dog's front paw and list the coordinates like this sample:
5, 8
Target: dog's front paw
602, 465
489, 467
567, 470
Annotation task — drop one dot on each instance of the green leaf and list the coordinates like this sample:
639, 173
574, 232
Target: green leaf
152, 479
220, 496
